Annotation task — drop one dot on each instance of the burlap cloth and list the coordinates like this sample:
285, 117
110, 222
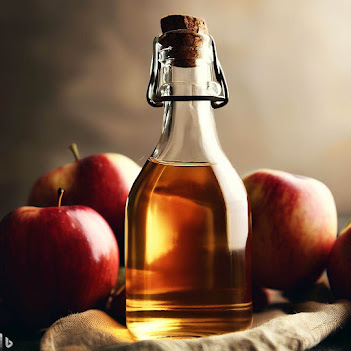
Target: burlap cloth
286, 326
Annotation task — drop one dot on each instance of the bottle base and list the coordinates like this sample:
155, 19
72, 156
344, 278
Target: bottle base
189, 323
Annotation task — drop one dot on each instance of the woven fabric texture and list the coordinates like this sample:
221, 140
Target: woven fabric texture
309, 325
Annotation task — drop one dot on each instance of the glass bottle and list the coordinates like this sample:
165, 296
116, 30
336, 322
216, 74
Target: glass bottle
188, 229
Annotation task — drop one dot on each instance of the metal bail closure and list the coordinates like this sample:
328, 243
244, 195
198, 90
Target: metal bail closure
155, 100
220, 101
151, 92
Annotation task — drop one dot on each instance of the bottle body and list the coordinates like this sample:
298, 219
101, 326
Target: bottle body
188, 231
188, 228
187, 271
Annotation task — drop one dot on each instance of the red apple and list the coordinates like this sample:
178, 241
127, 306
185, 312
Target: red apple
339, 264
294, 228
101, 182
54, 261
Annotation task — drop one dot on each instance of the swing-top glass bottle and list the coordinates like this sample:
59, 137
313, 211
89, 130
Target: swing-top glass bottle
188, 269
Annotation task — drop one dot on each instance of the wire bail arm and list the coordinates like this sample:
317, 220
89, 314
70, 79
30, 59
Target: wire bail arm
155, 100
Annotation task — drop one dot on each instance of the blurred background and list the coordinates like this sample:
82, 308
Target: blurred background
77, 71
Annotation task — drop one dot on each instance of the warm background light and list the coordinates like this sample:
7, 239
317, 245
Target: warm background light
78, 71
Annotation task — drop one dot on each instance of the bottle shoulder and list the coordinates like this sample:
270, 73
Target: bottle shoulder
232, 186
193, 180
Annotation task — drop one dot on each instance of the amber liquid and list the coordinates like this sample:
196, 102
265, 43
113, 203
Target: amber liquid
182, 279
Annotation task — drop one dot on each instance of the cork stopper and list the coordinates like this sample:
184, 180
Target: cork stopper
190, 23
186, 38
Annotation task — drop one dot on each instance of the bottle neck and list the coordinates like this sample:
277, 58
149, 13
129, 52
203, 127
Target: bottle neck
188, 134
184, 64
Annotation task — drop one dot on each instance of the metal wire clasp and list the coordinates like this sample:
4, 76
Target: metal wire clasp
151, 92
155, 100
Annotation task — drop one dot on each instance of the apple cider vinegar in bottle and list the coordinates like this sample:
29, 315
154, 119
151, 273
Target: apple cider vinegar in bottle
188, 229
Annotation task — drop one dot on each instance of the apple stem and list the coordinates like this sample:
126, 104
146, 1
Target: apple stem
74, 148
120, 290
60, 192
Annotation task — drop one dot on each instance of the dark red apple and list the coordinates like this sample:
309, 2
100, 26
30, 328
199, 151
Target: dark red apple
54, 261
339, 264
294, 224
101, 182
